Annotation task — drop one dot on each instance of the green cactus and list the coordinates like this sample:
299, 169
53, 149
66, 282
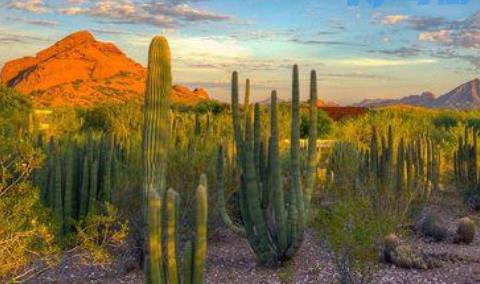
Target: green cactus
155, 147
312, 143
172, 257
93, 187
57, 188
84, 187
200, 241
222, 210
69, 192
272, 243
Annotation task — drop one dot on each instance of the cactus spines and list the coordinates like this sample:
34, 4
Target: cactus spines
312, 143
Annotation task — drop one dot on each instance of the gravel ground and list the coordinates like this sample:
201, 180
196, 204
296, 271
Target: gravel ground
231, 260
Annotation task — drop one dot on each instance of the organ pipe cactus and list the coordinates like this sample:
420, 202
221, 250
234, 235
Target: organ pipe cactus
155, 149
274, 231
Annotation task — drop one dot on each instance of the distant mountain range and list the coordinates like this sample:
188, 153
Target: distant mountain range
81, 71
464, 97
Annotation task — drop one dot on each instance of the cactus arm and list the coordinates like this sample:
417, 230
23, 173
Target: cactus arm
107, 171
257, 136
267, 193
312, 144
58, 204
92, 192
83, 206
188, 263
200, 242
246, 101
237, 128
221, 196
69, 194
298, 209
154, 258
275, 177
171, 246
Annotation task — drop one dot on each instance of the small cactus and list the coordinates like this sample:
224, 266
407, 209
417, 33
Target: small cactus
402, 255
465, 231
433, 227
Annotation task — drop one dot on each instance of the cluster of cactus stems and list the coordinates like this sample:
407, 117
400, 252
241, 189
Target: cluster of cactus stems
76, 177
272, 222
466, 166
163, 267
410, 168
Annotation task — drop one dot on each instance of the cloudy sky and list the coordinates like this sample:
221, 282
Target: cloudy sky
360, 48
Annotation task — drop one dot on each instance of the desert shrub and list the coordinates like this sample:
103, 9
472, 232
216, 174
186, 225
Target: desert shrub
433, 226
446, 121
465, 231
473, 123
64, 122
211, 106
324, 122
352, 229
342, 168
101, 233
26, 234
123, 120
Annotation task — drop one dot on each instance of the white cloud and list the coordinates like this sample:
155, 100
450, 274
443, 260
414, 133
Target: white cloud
74, 11
378, 62
442, 36
393, 19
34, 6
165, 14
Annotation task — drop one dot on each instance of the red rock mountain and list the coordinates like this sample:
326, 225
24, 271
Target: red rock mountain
81, 71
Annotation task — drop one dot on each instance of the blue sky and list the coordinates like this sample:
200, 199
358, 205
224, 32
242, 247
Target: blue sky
394, 49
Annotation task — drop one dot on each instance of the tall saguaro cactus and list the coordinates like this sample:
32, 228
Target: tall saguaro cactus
274, 228
155, 144
155, 154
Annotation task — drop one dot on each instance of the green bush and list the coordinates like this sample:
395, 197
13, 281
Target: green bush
325, 125
100, 234
446, 121
26, 233
352, 229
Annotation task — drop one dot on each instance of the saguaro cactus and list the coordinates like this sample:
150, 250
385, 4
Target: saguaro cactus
274, 231
155, 147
